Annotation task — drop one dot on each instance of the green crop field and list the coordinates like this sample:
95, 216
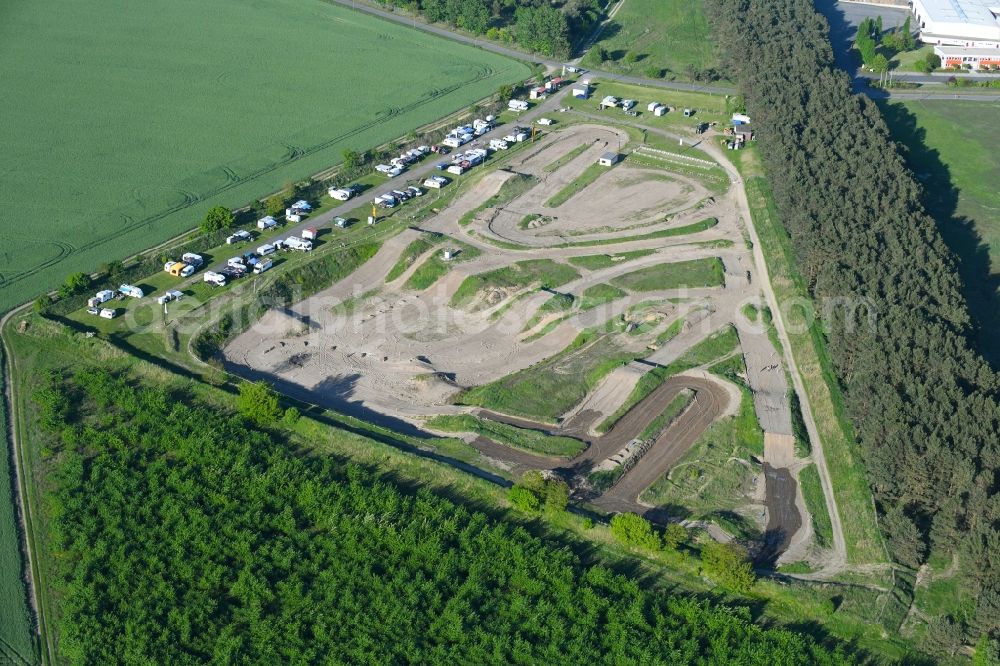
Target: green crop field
955, 152
123, 122
671, 35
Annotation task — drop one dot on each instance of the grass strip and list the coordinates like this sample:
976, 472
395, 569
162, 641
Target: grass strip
671, 412
715, 346
544, 272
599, 294
436, 267
594, 262
413, 252
534, 441
575, 186
693, 228
812, 493
707, 272
566, 159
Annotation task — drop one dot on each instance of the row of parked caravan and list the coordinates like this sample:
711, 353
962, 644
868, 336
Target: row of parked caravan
396, 197
463, 134
189, 263
462, 162
259, 260
398, 165
124, 291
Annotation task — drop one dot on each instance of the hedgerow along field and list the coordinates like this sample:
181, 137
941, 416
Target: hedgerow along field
124, 123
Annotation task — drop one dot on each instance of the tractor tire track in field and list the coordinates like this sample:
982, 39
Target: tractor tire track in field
233, 180
9, 655
709, 403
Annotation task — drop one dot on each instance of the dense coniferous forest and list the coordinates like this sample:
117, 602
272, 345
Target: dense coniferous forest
550, 28
923, 402
185, 535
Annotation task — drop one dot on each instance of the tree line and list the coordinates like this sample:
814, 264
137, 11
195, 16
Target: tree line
549, 28
871, 36
186, 533
925, 405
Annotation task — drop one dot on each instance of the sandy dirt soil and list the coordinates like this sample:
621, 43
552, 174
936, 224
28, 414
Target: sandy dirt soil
397, 355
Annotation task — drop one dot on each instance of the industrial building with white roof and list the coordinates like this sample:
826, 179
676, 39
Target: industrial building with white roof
963, 32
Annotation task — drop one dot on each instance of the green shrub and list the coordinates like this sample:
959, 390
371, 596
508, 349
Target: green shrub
635, 531
523, 499
728, 565
258, 402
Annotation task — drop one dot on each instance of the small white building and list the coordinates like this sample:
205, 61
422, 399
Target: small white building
607, 159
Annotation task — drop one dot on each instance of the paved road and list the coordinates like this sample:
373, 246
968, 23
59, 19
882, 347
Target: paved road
420, 24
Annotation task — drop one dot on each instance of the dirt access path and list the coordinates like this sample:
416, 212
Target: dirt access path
839, 560
23, 508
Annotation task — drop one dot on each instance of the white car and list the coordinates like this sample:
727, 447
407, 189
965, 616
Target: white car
545, 121
340, 193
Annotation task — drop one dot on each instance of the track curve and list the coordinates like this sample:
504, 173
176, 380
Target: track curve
710, 402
